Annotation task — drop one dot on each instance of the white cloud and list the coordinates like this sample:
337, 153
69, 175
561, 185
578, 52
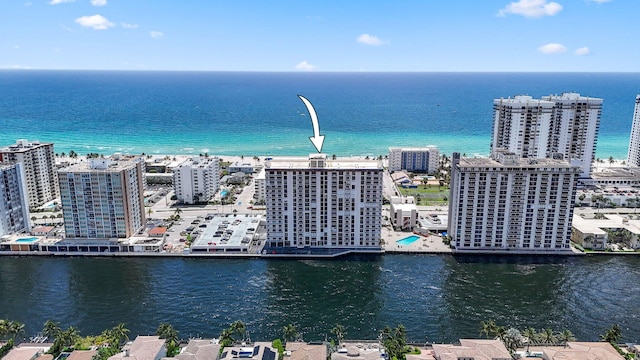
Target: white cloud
305, 66
129, 26
370, 40
531, 8
96, 22
98, 2
156, 34
552, 48
56, 2
583, 51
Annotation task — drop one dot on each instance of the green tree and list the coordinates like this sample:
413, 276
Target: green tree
611, 160
394, 341
339, 332
565, 336
612, 335
289, 333
167, 332
512, 338
119, 334
488, 328
226, 338
238, 327
547, 337
531, 336
51, 329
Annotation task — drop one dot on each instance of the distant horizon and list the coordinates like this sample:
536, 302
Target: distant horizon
325, 72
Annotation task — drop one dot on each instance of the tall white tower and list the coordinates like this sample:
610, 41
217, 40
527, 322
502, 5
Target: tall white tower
633, 157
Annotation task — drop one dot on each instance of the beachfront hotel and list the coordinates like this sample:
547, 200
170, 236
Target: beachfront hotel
416, 159
317, 203
14, 204
196, 179
633, 157
103, 199
557, 126
39, 169
507, 202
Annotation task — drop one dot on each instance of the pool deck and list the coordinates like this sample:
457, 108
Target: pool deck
425, 245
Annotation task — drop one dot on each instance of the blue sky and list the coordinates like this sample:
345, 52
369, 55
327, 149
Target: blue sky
346, 35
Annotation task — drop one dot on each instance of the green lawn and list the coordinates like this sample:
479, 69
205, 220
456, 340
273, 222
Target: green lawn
428, 195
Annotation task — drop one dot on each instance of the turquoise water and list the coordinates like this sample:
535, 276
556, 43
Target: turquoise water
223, 193
260, 114
27, 240
408, 240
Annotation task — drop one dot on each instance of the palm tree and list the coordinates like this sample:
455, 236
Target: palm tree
547, 337
120, 333
612, 335
512, 339
339, 332
167, 332
530, 334
611, 160
238, 327
226, 338
149, 211
490, 329
51, 329
565, 336
289, 333
4, 328
73, 154
15, 329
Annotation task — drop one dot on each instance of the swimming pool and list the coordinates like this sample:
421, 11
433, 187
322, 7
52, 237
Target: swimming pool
27, 240
223, 193
408, 240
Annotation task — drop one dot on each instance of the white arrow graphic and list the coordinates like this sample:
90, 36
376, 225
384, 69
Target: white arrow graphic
316, 139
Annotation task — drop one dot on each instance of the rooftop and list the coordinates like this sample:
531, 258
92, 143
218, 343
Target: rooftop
112, 164
304, 163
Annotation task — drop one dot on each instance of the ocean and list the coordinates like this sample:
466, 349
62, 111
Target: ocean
227, 113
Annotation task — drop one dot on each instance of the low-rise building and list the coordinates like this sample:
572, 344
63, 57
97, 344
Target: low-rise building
257, 351
581, 351
359, 350
476, 349
241, 166
403, 212
199, 349
305, 351
143, 348
595, 233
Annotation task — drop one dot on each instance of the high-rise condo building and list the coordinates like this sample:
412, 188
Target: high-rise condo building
39, 169
103, 199
418, 159
196, 179
511, 203
557, 126
317, 203
14, 206
633, 157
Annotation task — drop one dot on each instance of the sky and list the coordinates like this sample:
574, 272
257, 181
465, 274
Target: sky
328, 35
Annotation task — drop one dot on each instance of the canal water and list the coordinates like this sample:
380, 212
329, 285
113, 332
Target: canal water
437, 298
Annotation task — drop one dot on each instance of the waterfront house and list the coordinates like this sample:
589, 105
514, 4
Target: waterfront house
305, 351
257, 351
143, 348
199, 349
477, 349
